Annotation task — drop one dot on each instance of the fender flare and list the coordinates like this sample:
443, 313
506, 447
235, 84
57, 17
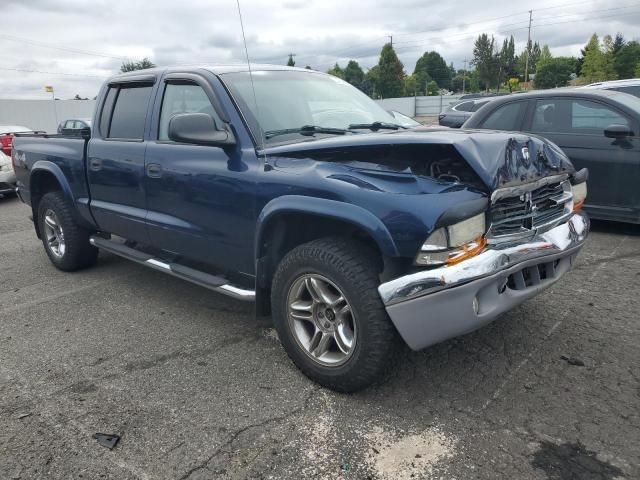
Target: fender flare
52, 168
332, 209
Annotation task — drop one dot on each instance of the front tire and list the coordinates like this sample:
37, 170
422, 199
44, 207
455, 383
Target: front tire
329, 316
66, 242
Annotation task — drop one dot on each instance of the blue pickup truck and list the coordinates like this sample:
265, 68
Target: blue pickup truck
292, 189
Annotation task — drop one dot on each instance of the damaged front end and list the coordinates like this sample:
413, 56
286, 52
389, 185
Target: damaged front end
484, 254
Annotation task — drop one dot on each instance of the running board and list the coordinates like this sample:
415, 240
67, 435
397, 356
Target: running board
217, 284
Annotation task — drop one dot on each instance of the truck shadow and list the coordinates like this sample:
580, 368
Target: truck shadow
615, 228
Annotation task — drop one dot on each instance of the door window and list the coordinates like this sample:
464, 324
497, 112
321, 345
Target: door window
564, 115
183, 98
505, 117
130, 113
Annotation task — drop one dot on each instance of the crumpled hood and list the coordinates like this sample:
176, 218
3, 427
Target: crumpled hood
506, 159
500, 159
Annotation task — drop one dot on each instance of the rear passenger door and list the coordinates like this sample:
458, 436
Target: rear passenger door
115, 159
577, 126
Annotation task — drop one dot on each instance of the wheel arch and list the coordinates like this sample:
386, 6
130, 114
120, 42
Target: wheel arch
46, 177
289, 221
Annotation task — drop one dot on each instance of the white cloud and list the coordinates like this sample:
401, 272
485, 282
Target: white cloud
319, 33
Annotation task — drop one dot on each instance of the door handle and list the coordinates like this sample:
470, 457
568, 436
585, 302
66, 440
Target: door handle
154, 170
95, 164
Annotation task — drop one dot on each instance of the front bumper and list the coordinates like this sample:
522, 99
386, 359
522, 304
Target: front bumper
430, 306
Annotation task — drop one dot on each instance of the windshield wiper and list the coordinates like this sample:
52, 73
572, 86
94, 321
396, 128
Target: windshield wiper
307, 130
375, 126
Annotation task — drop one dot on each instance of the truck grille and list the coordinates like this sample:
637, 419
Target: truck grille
530, 210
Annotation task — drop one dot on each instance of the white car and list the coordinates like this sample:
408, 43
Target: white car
7, 176
630, 86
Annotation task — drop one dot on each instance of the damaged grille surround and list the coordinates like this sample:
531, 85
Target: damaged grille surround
522, 211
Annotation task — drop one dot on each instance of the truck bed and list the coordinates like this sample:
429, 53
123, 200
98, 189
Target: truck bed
57, 153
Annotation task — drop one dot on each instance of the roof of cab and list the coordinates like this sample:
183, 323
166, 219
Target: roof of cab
213, 68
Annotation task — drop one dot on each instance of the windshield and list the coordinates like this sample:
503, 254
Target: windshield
290, 100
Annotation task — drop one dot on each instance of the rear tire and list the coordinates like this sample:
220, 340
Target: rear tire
66, 242
313, 287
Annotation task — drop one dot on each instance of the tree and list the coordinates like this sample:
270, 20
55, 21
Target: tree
637, 74
533, 51
608, 49
140, 65
618, 43
431, 66
354, 74
432, 88
459, 81
370, 81
336, 71
508, 57
291, 62
390, 74
545, 56
554, 72
593, 65
78, 97
513, 84
486, 60
410, 86
627, 59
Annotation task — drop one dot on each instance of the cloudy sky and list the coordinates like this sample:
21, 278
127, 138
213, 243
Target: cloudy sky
74, 44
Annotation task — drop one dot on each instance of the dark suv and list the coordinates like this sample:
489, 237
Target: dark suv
74, 126
597, 129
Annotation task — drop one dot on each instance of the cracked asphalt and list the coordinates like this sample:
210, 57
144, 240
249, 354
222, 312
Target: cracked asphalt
198, 389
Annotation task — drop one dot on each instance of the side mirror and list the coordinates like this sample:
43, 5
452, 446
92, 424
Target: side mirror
198, 129
618, 131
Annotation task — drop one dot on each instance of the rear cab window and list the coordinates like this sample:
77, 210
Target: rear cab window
124, 112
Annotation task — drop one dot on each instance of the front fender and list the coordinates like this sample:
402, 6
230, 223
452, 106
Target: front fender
332, 209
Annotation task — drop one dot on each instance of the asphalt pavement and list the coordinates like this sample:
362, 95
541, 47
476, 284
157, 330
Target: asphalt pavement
197, 388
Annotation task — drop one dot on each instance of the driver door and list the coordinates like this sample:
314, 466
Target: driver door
200, 199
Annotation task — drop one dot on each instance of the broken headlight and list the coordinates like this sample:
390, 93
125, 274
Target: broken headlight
452, 244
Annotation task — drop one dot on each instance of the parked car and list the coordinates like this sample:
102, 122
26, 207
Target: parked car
457, 114
6, 136
293, 189
73, 126
597, 129
631, 86
7, 176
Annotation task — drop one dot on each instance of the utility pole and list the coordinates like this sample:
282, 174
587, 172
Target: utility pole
464, 75
391, 40
526, 63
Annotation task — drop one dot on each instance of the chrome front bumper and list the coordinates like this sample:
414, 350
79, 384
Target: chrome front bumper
430, 306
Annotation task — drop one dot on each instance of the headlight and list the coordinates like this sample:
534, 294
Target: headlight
466, 231
579, 195
452, 244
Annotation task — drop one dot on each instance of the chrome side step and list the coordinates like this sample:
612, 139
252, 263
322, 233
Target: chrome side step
212, 282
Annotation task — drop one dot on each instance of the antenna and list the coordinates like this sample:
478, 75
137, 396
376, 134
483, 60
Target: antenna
253, 88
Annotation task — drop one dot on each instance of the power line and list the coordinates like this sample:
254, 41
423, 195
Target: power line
51, 73
55, 47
